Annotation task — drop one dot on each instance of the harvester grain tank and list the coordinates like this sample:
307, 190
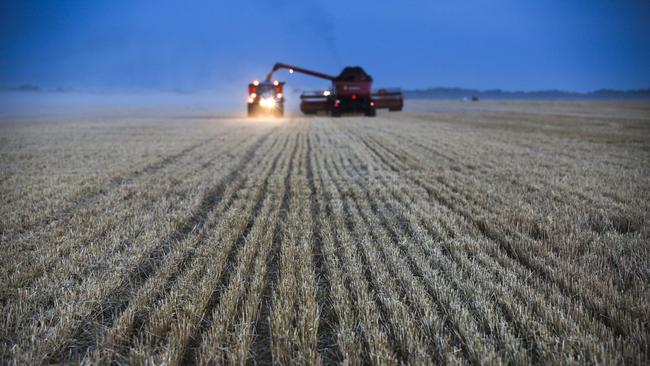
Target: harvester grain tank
351, 91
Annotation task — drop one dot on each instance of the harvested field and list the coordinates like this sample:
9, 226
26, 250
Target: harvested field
480, 233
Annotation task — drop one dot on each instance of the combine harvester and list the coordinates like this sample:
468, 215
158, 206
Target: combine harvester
351, 92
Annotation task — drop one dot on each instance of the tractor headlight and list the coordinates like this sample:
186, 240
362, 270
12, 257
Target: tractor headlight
267, 102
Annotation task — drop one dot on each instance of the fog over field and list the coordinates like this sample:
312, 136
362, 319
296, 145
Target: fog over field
71, 103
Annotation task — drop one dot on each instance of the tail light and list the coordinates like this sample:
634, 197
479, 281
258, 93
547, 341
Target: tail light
372, 104
354, 97
337, 103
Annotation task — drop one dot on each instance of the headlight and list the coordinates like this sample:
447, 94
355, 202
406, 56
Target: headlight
267, 102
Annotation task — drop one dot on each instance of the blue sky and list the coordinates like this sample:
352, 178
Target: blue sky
211, 45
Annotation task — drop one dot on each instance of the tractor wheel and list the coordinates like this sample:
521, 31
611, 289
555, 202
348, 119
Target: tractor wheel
252, 110
371, 112
335, 113
280, 111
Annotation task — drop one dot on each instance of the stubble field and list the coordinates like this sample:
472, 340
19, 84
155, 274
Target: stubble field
454, 233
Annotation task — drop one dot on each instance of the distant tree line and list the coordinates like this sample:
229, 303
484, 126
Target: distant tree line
460, 93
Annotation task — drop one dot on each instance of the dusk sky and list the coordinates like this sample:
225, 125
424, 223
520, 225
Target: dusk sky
211, 45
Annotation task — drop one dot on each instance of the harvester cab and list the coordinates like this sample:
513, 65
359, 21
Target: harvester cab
265, 98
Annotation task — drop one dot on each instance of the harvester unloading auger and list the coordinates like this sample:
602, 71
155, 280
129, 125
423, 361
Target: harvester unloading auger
351, 91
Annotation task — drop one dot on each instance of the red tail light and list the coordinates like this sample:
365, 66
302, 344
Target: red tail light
354, 96
372, 104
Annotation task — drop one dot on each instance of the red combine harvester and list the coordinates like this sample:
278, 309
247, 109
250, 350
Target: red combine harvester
351, 92
265, 98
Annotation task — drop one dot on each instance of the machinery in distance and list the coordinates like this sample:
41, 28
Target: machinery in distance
350, 92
